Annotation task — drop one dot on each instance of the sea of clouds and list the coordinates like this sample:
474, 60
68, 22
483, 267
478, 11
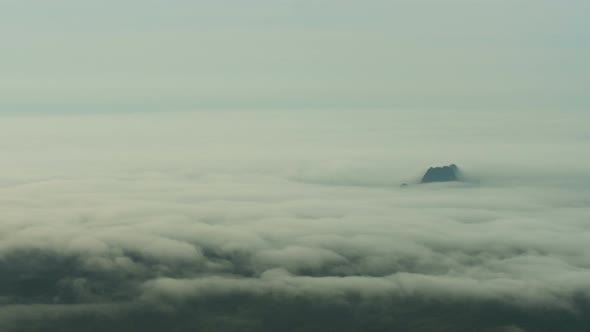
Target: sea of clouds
260, 220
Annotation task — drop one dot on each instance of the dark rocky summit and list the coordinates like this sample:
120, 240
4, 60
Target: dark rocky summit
442, 174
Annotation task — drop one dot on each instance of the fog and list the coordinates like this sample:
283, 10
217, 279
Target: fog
294, 221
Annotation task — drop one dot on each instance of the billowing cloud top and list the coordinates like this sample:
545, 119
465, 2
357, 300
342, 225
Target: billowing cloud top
294, 221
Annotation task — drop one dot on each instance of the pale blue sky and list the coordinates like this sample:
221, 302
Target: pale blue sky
295, 54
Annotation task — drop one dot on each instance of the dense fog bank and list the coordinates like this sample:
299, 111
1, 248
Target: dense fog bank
294, 221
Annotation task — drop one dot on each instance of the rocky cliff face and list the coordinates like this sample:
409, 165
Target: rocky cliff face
442, 174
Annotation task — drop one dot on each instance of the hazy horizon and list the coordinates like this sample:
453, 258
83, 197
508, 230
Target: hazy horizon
277, 54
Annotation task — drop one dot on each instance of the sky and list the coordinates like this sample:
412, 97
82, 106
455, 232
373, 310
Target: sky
132, 54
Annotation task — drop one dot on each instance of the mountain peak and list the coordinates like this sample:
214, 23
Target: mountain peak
442, 174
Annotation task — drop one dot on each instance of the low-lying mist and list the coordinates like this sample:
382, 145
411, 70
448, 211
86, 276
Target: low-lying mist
294, 221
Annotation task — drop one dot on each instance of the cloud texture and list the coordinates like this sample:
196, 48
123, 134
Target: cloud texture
294, 221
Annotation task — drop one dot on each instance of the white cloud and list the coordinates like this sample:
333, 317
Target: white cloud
166, 208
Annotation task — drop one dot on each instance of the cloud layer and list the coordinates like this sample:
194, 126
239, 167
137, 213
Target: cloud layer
119, 218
